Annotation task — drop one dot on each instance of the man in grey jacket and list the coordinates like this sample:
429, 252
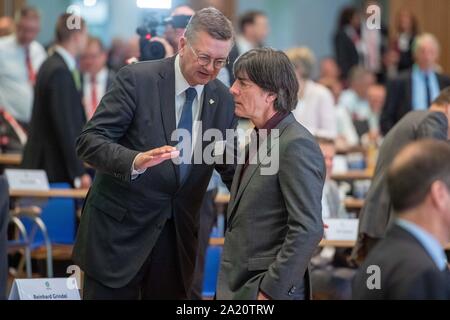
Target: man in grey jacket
274, 215
377, 213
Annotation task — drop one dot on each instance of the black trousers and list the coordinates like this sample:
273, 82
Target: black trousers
207, 219
158, 279
4, 220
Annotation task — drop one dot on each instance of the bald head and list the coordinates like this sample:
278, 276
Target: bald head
415, 170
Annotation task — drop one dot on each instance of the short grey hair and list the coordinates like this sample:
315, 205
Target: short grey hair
424, 37
211, 21
303, 59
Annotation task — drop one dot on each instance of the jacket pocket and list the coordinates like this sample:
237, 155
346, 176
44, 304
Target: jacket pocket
260, 263
110, 207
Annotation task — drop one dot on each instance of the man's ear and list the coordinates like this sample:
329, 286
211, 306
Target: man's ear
271, 97
182, 45
440, 195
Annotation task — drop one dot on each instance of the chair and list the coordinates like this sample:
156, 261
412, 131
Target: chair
212, 264
54, 225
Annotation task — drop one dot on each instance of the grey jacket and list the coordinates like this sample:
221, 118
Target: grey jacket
376, 215
274, 221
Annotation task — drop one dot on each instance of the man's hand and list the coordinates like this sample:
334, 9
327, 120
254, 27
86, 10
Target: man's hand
83, 182
154, 157
262, 297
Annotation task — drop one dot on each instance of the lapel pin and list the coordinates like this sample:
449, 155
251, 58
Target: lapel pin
211, 101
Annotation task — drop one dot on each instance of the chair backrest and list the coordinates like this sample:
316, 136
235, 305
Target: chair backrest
59, 216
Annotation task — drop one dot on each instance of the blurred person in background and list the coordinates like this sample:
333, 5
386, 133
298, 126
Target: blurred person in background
21, 56
347, 137
176, 25
400, 55
58, 113
329, 70
7, 26
415, 89
347, 41
355, 99
97, 78
376, 215
376, 96
253, 32
315, 109
374, 41
411, 260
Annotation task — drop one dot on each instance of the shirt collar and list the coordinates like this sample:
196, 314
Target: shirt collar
181, 84
428, 241
101, 76
243, 45
419, 71
67, 57
274, 121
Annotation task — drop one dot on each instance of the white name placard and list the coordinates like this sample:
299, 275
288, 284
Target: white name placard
45, 289
341, 229
34, 180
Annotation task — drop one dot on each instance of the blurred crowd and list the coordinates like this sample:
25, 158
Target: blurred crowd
350, 100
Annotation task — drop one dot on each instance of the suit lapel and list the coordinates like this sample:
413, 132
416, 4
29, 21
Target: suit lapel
252, 169
167, 99
166, 86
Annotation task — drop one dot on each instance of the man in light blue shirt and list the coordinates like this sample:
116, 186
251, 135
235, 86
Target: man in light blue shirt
410, 262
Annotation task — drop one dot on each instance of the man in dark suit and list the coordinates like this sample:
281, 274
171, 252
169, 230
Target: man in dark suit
97, 78
139, 227
58, 115
253, 32
410, 263
417, 88
377, 214
274, 215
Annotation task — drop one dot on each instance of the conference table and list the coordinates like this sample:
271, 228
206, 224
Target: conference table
10, 159
220, 200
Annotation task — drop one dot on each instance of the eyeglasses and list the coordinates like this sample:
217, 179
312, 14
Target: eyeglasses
204, 60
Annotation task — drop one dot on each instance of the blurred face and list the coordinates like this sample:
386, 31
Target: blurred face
329, 69
93, 59
405, 21
251, 102
193, 54
261, 29
362, 85
427, 55
170, 34
28, 29
328, 151
356, 21
376, 97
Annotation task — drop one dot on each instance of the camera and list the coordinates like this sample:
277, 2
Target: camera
150, 50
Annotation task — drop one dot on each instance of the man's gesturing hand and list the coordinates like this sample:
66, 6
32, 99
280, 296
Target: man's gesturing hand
154, 157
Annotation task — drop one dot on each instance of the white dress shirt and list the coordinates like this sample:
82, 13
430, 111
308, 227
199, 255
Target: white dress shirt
16, 91
316, 110
68, 58
101, 83
181, 85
